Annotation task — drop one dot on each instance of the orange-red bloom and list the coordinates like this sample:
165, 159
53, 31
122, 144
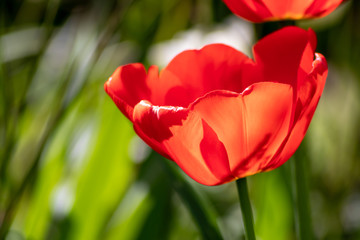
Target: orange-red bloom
272, 10
221, 115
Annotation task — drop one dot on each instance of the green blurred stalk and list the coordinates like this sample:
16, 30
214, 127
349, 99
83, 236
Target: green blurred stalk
192, 201
302, 203
5, 103
59, 109
10, 133
246, 210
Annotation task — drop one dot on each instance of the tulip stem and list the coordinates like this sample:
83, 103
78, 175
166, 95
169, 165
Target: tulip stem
246, 210
303, 213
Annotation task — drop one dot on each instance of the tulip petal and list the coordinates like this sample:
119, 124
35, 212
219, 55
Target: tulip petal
270, 10
128, 85
184, 138
279, 55
252, 10
252, 125
194, 73
287, 8
309, 94
321, 8
196, 148
152, 123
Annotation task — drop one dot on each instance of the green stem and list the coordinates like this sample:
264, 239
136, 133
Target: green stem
246, 210
302, 203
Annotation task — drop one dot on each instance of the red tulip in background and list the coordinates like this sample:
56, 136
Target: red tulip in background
221, 115
272, 10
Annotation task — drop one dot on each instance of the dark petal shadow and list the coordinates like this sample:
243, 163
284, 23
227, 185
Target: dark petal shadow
214, 154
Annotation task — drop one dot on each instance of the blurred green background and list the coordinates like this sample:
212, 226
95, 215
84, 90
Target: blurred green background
71, 166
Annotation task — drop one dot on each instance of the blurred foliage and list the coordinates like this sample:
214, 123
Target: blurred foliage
71, 166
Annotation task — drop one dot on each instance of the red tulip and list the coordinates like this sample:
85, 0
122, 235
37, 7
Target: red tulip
272, 10
221, 115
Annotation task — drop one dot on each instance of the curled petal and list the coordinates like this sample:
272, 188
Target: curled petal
152, 123
309, 94
184, 138
128, 85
